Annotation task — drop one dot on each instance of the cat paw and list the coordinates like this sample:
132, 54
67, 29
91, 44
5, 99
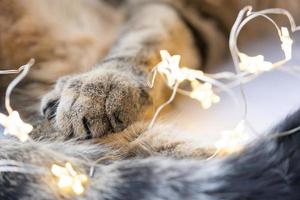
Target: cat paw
96, 103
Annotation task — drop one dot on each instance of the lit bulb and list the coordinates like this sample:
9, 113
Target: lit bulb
233, 140
69, 178
78, 187
169, 66
14, 125
254, 64
65, 181
204, 94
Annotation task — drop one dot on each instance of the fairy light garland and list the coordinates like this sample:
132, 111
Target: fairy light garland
13, 125
201, 84
169, 68
257, 64
204, 88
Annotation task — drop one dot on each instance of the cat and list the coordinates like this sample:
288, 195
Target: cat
94, 113
267, 169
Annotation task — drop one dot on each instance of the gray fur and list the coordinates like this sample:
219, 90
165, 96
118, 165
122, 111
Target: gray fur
267, 169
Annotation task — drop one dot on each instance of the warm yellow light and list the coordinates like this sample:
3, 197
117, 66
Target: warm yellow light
69, 178
169, 66
14, 125
204, 94
254, 64
65, 181
78, 187
233, 140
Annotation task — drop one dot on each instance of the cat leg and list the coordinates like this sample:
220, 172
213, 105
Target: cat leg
63, 37
138, 141
115, 94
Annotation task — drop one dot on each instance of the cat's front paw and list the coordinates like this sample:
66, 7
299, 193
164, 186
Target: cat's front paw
95, 103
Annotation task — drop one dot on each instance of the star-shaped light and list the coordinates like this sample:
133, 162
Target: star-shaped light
254, 64
232, 141
169, 66
14, 125
204, 94
69, 178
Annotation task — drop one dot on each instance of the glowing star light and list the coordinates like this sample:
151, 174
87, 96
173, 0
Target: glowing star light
69, 178
204, 94
258, 64
201, 84
15, 126
169, 66
233, 140
254, 64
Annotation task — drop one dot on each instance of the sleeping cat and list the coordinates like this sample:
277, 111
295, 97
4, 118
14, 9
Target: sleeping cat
96, 113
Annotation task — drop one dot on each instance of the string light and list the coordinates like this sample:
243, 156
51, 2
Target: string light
68, 178
12, 123
247, 67
15, 126
254, 64
258, 64
201, 84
